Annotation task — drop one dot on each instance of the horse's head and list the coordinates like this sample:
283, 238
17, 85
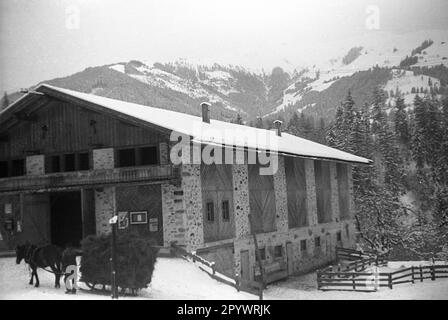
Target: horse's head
20, 253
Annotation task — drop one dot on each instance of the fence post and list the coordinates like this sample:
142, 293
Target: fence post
237, 282
433, 273
354, 282
390, 280
318, 279
421, 273
412, 270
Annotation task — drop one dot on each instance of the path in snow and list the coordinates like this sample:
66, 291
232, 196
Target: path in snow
173, 278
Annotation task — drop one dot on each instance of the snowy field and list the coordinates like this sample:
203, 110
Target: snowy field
178, 279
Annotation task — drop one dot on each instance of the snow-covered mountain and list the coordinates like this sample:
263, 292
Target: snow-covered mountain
376, 50
408, 64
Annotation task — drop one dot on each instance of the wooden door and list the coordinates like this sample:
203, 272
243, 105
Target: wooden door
217, 202
261, 200
36, 219
296, 192
245, 266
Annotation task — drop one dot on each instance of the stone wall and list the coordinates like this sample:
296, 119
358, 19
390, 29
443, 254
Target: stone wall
174, 221
103, 158
192, 198
35, 165
104, 197
104, 209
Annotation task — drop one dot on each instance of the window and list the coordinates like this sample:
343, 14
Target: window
210, 211
126, 158
18, 167
83, 161
69, 162
4, 169
338, 236
55, 163
148, 156
262, 253
347, 231
278, 251
225, 210
303, 245
317, 242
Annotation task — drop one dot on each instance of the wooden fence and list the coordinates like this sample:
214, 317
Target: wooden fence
253, 287
353, 276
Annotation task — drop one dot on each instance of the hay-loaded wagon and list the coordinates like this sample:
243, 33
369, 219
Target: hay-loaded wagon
135, 256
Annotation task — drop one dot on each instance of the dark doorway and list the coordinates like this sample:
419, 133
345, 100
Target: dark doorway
66, 218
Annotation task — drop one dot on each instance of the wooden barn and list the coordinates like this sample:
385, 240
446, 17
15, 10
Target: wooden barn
69, 161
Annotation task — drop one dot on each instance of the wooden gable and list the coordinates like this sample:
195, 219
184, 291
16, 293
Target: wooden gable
63, 127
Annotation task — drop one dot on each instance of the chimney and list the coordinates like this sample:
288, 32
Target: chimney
205, 112
278, 127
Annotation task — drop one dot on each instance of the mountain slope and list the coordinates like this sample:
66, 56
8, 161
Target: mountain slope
410, 64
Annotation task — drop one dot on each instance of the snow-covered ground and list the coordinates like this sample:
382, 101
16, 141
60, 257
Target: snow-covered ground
176, 278
173, 278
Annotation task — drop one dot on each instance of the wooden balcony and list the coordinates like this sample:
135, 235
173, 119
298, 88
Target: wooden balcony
91, 178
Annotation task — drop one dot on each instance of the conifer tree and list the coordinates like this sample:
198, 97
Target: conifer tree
401, 121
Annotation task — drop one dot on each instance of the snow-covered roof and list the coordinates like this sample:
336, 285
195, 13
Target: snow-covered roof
215, 132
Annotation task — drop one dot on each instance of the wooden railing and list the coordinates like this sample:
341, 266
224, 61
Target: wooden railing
253, 287
354, 277
89, 178
371, 281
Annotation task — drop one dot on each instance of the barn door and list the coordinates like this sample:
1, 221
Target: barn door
217, 202
261, 200
36, 218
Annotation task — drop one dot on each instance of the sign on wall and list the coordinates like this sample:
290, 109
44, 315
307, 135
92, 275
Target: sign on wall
153, 224
140, 217
8, 208
123, 220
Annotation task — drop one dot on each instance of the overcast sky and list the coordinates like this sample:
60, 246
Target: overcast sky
43, 39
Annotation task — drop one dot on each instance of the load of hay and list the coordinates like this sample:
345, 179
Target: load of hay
136, 257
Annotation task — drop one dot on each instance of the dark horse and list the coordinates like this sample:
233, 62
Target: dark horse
41, 257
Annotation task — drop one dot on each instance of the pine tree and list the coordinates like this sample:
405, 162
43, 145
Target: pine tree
259, 123
293, 126
238, 119
401, 121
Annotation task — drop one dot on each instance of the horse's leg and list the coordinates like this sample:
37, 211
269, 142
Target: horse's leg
32, 276
57, 275
37, 278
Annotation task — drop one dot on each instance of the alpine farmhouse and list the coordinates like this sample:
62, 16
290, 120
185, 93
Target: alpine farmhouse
69, 161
